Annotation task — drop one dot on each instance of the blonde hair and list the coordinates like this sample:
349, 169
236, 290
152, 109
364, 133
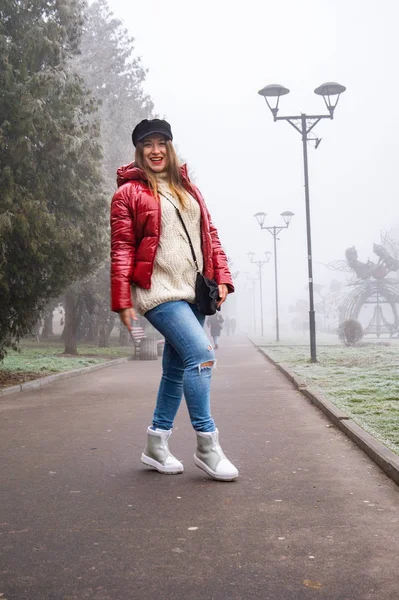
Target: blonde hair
173, 174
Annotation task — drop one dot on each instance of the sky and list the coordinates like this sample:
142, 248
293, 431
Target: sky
206, 62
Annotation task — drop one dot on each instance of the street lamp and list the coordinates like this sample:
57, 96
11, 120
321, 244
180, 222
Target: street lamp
254, 280
275, 230
260, 264
304, 124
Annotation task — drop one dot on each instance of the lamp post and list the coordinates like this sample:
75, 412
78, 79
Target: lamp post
304, 124
254, 280
275, 230
260, 264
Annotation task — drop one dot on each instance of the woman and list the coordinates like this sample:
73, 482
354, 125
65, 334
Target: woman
150, 249
215, 324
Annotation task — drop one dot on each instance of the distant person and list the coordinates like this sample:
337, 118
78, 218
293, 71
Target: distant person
151, 250
226, 325
233, 323
215, 324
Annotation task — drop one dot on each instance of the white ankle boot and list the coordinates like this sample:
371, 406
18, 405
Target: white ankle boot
157, 454
210, 457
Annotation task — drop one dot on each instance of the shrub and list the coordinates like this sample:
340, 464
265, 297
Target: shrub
350, 332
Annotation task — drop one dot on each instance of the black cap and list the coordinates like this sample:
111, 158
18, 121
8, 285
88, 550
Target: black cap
150, 127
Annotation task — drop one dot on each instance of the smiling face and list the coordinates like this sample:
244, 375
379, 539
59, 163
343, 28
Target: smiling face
155, 153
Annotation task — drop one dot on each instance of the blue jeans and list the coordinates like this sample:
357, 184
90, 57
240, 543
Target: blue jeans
186, 349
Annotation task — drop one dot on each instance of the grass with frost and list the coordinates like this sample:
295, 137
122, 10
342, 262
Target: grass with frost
41, 359
362, 381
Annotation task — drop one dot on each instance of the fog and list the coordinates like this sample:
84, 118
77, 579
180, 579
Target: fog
207, 60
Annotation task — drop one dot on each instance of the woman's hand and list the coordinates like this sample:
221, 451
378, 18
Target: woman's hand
223, 291
126, 315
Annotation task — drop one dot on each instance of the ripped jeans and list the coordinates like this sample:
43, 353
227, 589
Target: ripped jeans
186, 350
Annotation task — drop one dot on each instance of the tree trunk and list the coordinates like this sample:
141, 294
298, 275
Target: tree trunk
92, 331
103, 341
124, 338
47, 330
35, 331
83, 328
72, 320
105, 330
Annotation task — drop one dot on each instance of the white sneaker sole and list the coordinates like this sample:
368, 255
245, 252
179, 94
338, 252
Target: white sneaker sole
212, 473
166, 470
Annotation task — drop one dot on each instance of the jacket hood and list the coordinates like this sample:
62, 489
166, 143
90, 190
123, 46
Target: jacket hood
131, 172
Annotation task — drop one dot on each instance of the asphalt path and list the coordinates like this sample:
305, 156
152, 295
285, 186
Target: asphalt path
80, 517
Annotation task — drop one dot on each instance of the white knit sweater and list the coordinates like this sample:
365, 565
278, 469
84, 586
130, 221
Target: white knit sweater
174, 272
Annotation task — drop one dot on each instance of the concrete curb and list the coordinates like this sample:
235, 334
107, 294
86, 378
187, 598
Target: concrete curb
387, 460
43, 381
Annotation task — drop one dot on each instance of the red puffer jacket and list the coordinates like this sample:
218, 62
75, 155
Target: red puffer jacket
135, 232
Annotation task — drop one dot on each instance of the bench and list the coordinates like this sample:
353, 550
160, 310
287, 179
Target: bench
153, 348
137, 334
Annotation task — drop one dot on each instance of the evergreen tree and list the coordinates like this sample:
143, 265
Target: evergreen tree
115, 78
53, 208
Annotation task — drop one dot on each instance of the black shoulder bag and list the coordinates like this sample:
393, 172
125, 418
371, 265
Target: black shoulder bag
206, 290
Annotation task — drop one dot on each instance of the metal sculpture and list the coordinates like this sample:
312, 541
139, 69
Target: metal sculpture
372, 286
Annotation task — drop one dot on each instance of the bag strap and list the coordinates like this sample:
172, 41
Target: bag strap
185, 230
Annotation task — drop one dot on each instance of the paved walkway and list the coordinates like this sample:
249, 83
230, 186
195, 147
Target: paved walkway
310, 516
